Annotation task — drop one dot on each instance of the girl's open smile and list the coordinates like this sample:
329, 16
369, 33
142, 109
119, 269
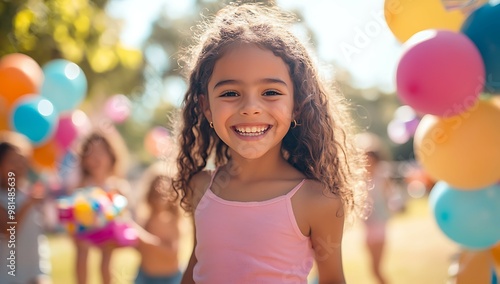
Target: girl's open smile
251, 132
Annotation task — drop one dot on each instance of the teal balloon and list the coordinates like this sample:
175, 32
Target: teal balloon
483, 28
471, 218
36, 118
65, 84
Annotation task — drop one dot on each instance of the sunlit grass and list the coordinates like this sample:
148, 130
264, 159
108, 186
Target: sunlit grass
416, 251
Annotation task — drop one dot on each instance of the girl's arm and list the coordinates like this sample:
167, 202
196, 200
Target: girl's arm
199, 183
143, 235
326, 219
20, 214
32, 199
168, 237
3, 222
187, 278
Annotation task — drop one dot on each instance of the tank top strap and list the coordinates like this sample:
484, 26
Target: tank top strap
213, 177
295, 189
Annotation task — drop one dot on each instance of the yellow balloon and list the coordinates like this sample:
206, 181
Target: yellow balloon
463, 150
407, 17
84, 214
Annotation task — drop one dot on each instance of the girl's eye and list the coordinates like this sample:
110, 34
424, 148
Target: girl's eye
271, 93
229, 94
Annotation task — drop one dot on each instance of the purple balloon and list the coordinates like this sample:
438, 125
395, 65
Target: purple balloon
411, 126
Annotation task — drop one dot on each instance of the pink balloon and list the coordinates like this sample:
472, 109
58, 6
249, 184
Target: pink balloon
117, 108
70, 126
66, 131
440, 73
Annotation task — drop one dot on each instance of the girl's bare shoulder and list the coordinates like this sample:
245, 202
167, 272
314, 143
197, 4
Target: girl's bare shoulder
318, 199
199, 184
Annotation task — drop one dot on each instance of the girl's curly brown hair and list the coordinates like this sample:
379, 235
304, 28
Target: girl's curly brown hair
321, 148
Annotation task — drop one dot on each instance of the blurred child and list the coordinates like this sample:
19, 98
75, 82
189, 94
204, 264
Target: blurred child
100, 161
159, 215
23, 252
380, 191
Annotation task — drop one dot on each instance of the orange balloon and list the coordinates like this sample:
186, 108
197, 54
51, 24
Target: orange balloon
4, 121
157, 141
4, 114
46, 156
19, 75
495, 252
463, 150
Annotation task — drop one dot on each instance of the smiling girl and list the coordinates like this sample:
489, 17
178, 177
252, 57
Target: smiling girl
287, 171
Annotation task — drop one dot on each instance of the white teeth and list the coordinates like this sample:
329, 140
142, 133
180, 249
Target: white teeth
252, 131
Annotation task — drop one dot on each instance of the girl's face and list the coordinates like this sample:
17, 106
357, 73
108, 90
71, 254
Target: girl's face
250, 100
13, 162
97, 160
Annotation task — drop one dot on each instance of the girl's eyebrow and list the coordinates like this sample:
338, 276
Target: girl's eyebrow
261, 81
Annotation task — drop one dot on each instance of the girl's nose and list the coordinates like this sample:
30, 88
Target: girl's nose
250, 106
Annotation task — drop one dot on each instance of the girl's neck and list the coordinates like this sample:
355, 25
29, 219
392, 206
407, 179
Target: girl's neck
269, 166
98, 179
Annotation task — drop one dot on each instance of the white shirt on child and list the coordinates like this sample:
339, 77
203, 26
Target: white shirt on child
31, 246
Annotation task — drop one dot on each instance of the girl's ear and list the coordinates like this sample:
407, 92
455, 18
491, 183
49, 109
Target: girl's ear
205, 106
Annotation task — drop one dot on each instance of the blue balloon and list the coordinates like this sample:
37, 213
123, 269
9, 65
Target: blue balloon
483, 28
65, 84
470, 218
36, 118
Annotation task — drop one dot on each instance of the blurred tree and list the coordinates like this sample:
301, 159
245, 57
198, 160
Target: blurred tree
76, 30
372, 110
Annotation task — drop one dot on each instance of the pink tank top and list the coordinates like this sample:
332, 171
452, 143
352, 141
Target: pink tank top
250, 242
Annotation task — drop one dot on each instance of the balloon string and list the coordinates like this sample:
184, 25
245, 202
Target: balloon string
466, 6
464, 262
494, 270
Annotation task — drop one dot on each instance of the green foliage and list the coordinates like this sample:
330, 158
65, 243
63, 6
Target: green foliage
76, 30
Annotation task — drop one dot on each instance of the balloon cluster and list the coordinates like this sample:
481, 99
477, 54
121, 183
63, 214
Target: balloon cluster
40, 103
93, 214
450, 72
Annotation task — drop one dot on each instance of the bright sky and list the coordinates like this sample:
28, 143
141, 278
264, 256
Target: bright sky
353, 33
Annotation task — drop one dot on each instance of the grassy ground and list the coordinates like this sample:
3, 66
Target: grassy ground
416, 252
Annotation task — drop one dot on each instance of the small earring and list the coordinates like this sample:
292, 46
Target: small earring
295, 124
211, 124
